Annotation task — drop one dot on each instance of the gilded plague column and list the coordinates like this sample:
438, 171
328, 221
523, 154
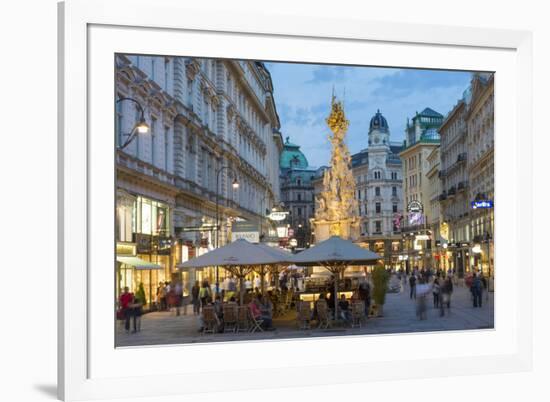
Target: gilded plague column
337, 211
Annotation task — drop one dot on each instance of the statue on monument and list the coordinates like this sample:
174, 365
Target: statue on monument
337, 210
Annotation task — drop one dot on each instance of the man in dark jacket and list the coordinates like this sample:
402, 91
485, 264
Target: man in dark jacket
412, 283
476, 290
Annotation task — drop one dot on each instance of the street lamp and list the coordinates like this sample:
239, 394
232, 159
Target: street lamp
140, 127
235, 185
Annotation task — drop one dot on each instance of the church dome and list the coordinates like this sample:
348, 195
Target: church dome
292, 157
378, 122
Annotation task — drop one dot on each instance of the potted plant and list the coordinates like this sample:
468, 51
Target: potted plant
380, 279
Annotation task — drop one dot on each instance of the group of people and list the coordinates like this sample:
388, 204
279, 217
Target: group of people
130, 309
362, 293
169, 295
441, 288
421, 285
260, 306
477, 284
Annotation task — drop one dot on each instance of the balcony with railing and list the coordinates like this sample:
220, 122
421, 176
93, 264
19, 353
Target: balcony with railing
452, 192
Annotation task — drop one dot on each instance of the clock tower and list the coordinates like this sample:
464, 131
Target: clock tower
379, 141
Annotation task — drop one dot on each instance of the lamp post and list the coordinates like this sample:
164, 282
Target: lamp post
235, 185
140, 127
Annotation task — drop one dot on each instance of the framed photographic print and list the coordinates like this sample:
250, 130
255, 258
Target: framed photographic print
317, 196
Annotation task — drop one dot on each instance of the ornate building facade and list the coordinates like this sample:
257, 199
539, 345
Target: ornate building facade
211, 122
481, 171
454, 197
421, 138
297, 192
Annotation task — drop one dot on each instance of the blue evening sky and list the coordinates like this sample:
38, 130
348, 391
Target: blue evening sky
303, 91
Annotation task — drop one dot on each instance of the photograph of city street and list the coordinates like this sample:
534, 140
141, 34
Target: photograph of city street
262, 200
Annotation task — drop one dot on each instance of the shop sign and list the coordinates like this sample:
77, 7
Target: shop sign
482, 204
282, 231
422, 237
278, 215
143, 243
415, 207
290, 232
125, 249
252, 237
164, 245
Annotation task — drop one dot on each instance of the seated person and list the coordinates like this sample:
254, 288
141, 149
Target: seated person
343, 305
255, 309
266, 309
208, 302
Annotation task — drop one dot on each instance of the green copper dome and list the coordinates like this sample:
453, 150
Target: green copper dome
292, 157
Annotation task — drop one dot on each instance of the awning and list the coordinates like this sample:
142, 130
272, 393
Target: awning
137, 263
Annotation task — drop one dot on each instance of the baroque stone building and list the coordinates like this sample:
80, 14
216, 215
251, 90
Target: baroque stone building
297, 192
481, 173
211, 122
454, 198
421, 138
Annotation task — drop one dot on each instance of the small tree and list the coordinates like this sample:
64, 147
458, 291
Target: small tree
140, 294
380, 278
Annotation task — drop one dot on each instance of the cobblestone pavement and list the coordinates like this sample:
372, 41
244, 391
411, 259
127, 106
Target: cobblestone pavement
161, 328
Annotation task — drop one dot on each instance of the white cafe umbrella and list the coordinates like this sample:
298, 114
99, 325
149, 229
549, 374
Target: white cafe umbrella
238, 257
335, 254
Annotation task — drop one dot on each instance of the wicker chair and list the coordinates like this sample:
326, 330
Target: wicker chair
357, 313
210, 320
230, 317
322, 314
242, 319
304, 315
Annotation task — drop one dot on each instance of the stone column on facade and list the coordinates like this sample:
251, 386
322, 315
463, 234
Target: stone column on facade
179, 148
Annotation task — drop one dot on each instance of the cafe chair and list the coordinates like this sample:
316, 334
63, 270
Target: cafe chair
256, 323
230, 317
357, 314
210, 320
304, 315
323, 314
242, 319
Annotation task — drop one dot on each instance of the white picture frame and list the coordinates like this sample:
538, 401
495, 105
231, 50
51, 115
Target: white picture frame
89, 30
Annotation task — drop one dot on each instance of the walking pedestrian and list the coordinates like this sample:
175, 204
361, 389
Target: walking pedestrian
195, 290
204, 293
412, 283
423, 290
435, 292
476, 290
126, 300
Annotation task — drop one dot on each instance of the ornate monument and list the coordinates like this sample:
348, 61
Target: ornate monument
337, 210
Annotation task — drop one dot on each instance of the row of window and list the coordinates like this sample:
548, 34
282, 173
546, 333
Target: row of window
377, 208
377, 228
377, 192
377, 175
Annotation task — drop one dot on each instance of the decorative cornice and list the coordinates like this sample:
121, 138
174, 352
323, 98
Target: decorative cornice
192, 68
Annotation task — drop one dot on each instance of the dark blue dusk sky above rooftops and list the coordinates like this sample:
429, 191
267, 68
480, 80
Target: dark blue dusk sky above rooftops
303, 92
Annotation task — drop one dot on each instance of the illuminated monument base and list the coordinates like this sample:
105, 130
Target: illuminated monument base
345, 228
